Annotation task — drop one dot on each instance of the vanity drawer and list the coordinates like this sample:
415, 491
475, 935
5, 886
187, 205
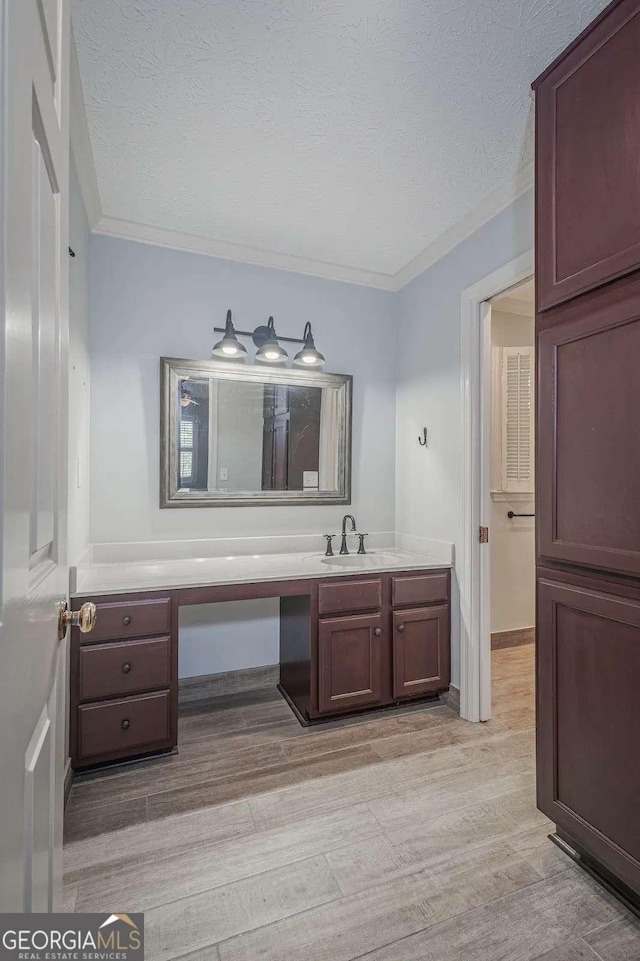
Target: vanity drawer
108, 670
130, 619
419, 589
341, 595
120, 728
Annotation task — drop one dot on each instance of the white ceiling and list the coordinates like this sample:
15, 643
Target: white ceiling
352, 132
517, 300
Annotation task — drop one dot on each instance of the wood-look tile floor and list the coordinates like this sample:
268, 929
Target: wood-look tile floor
409, 836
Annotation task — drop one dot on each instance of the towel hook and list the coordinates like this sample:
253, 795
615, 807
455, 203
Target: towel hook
423, 440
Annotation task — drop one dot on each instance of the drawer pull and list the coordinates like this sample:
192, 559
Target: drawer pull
126, 621
400, 628
378, 631
126, 724
126, 668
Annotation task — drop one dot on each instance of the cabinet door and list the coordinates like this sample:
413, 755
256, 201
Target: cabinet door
420, 651
587, 146
588, 718
350, 658
588, 431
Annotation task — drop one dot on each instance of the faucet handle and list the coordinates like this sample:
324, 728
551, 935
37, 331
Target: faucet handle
361, 549
329, 550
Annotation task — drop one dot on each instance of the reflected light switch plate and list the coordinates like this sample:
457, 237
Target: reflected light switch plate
224, 473
310, 480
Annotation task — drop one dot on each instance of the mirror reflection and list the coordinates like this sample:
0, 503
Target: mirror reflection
237, 436
250, 433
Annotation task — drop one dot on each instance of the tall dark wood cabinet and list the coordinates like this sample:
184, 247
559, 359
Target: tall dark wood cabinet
588, 443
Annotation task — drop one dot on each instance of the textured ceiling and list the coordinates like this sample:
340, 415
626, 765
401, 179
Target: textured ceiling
353, 132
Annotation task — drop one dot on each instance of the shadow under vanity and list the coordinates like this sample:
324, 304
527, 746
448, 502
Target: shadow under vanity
347, 644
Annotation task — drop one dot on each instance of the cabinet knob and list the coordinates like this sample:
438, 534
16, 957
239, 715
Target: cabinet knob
126, 621
378, 631
126, 668
400, 628
126, 724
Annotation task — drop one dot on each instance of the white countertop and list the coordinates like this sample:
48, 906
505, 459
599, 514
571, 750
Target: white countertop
167, 574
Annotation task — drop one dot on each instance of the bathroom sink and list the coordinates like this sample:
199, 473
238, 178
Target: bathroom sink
361, 560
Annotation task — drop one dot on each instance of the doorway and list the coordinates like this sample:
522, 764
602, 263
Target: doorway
509, 509
472, 561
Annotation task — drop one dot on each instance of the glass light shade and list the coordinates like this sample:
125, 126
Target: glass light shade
229, 348
309, 356
271, 352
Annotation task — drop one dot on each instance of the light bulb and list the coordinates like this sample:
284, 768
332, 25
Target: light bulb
308, 360
229, 349
271, 354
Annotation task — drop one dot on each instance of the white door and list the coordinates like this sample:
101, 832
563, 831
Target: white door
33, 425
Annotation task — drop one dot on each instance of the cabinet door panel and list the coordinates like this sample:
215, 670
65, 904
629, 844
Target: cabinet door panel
420, 651
588, 141
588, 718
350, 662
589, 432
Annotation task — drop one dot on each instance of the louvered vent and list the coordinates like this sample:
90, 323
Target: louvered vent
517, 418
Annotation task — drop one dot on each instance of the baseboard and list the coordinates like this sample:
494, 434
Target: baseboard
452, 698
502, 639
231, 682
68, 781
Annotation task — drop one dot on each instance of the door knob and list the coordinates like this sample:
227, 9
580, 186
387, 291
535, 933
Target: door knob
84, 619
400, 628
126, 668
378, 631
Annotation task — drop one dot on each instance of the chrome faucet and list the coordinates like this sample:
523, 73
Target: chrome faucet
343, 544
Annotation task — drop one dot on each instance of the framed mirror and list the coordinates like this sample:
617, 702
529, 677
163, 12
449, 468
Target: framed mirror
233, 436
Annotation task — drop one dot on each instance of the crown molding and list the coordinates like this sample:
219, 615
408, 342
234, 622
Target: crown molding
226, 250
80, 142
242, 253
492, 205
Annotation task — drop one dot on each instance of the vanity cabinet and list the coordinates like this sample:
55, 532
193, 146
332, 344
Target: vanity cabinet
420, 651
347, 644
367, 641
124, 680
350, 662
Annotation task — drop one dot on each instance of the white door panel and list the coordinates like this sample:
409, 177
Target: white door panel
33, 475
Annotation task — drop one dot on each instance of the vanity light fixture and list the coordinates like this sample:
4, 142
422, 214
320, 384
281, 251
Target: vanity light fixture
308, 356
270, 350
229, 347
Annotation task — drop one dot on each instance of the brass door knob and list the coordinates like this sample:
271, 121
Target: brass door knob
84, 619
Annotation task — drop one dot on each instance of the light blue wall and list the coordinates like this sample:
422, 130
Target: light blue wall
149, 302
403, 350
428, 380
